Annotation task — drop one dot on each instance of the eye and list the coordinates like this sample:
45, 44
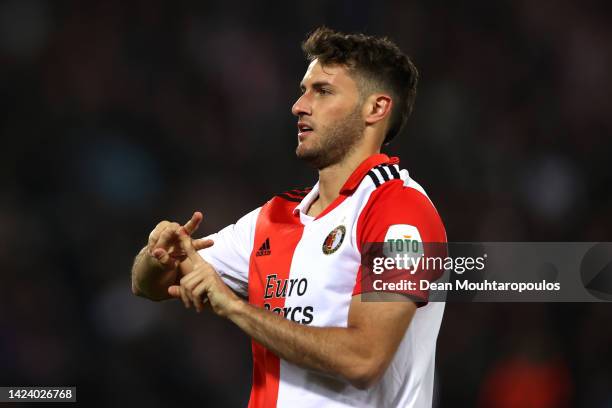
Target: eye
323, 91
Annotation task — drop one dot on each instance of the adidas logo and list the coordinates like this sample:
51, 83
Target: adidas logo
264, 249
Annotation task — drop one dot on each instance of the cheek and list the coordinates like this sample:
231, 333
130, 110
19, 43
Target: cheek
331, 112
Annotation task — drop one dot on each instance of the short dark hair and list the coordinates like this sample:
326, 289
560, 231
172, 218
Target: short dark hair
377, 60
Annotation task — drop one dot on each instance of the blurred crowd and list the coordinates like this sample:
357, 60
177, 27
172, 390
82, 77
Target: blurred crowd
116, 115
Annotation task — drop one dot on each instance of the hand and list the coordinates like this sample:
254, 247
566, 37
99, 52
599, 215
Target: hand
164, 245
203, 282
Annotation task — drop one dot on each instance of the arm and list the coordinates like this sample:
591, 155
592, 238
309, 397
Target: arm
359, 353
149, 277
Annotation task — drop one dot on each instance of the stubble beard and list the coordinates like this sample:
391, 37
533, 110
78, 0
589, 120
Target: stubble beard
334, 142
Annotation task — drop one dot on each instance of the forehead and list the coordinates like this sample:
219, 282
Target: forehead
336, 75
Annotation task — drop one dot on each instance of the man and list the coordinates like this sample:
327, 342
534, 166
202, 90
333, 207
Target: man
297, 259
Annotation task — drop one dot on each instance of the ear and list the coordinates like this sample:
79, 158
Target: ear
378, 107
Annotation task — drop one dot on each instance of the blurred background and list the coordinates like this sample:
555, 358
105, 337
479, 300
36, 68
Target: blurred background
116, 115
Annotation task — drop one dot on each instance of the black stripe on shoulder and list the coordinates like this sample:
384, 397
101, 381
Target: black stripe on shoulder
290, 198
394, 172
374, 178
296, 194
293, 195
299, 192
386, 176
383, 173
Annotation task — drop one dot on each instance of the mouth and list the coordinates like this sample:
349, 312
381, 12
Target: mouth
304, 130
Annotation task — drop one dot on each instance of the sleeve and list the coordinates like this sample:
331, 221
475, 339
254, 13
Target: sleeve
231, 252
398, 221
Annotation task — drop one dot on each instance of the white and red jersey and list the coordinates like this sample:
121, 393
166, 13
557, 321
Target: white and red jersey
308, 269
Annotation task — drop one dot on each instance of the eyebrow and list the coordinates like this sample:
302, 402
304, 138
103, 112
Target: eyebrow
316, 85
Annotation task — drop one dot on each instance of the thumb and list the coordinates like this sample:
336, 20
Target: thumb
174, 291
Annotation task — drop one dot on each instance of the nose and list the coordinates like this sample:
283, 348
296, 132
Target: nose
301, 106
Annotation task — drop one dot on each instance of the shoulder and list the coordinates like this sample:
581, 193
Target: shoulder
295, 195
400, 196
404, 202
279, 209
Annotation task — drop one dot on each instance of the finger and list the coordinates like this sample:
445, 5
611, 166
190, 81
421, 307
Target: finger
154, 235
186, 244
174, 291
190, 280
190, 295
162, 256
188, 284
201, 304
198, 293
185, 297
168, 236
202, 243
193, 224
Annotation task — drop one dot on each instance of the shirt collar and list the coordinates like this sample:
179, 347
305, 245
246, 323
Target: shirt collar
304, 205
351, 183
360, 172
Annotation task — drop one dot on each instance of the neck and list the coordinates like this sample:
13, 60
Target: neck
332, 178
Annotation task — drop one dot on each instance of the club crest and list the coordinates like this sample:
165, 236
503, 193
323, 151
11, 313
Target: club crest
334, 240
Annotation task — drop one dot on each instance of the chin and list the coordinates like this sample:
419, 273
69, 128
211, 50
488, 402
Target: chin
307, 155
315, 159
303, 152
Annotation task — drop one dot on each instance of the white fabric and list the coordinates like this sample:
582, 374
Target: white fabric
232, 250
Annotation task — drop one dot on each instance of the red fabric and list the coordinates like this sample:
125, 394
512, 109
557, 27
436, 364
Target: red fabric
393, 203
283, 231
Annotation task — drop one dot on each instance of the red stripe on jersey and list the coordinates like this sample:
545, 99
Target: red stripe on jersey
283, 231
393, 203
